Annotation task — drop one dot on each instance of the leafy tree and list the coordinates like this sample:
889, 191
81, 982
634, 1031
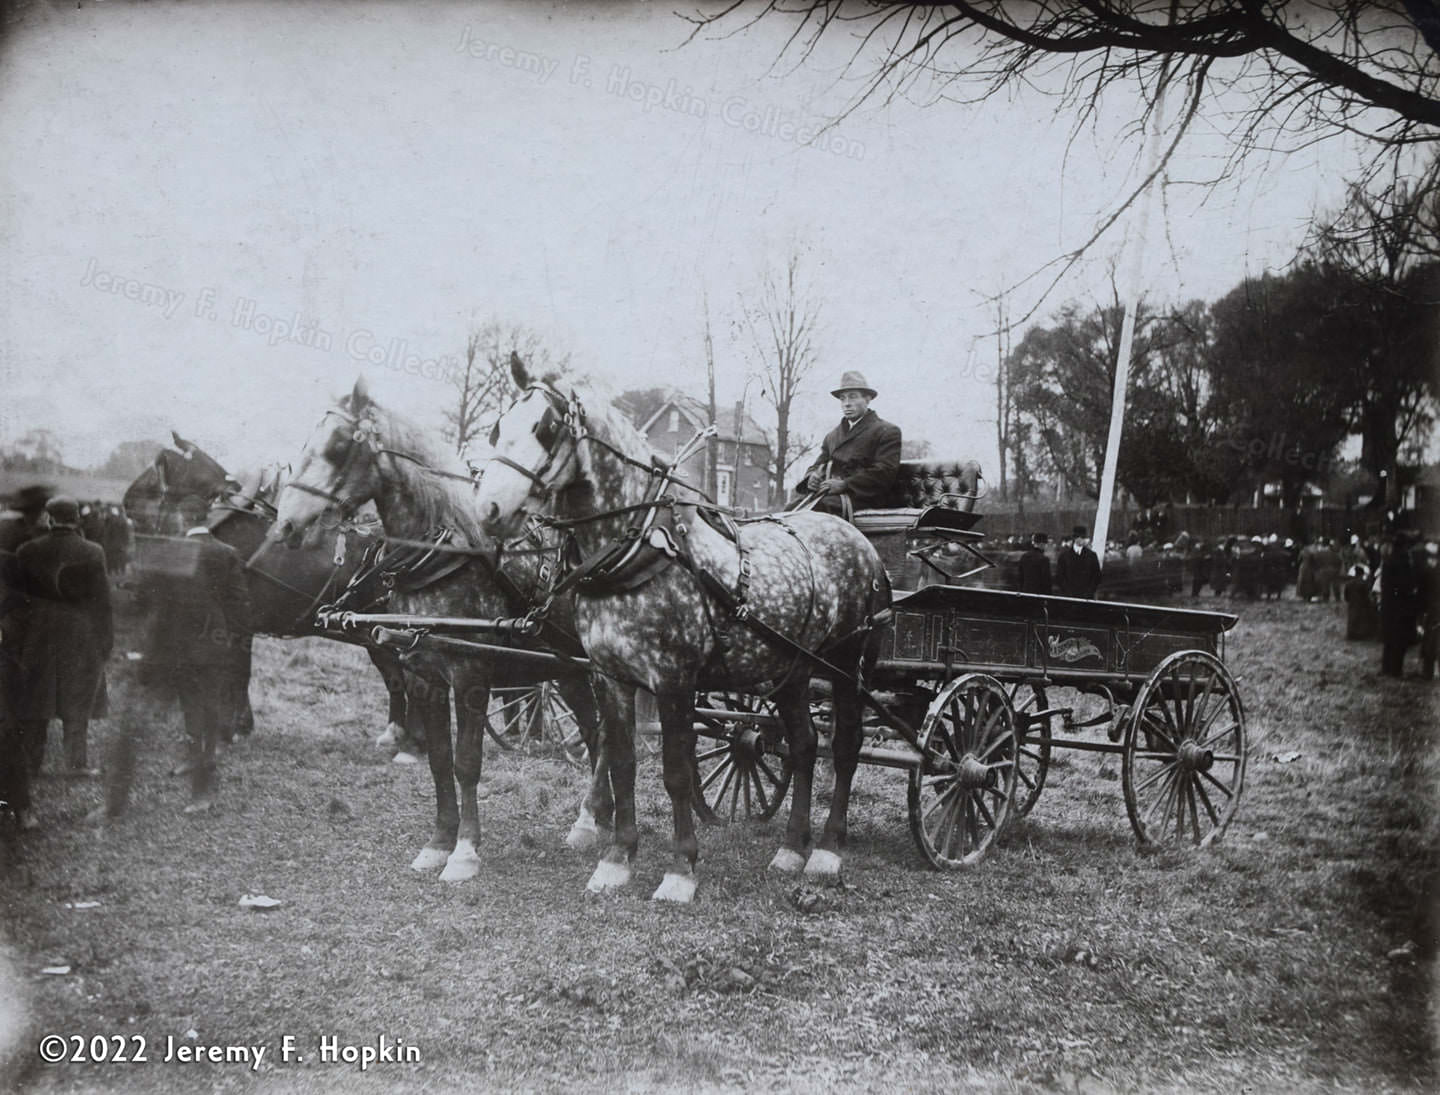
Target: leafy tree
1387, 255
1284, 357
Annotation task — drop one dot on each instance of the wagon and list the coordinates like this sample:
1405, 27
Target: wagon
961, 694
974, 670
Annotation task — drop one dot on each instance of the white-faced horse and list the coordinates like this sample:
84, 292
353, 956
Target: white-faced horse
669, 602
362, 452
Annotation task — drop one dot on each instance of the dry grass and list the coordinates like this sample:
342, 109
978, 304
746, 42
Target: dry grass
1069, 961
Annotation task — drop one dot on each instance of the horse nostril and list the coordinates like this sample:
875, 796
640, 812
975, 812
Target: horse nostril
494, 514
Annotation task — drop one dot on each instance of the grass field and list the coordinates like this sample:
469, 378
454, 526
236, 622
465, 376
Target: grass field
1295, 956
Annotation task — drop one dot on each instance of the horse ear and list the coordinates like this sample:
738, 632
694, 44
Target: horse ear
518, 372
359, 396
180, 442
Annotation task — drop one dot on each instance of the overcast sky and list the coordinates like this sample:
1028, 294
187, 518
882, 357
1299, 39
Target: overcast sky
216, 215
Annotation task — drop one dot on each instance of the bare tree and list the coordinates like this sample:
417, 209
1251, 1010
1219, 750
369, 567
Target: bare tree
483, 384
782, 325
1274, 76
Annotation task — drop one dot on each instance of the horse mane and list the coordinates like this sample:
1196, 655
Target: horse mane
438, 500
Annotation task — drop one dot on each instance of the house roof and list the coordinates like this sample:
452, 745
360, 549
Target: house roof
697, 413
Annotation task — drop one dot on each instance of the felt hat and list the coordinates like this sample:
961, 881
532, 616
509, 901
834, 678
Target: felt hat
63, 511
30, 499
853, 381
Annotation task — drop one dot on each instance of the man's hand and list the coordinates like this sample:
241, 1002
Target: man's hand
812, 481
831, 486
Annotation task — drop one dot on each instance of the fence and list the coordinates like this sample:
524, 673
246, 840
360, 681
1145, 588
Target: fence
1202, 522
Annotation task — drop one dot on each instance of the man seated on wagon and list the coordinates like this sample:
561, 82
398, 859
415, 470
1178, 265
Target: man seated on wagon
859, 458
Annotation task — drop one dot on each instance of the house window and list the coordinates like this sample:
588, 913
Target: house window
724, 487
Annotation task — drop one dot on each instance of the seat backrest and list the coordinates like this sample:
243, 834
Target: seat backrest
949, 483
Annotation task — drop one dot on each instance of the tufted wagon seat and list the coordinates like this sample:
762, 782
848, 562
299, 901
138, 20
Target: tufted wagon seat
920, 486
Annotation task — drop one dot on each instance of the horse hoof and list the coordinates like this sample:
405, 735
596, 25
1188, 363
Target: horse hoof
582, 838
679, 888
403, 757
462, 865
608, 876
429, 859
787, 861
389, 736
823, 864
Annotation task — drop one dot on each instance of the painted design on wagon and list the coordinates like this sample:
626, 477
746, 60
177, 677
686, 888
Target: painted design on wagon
1072, 650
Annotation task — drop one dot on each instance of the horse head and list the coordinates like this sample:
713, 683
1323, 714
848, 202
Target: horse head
338, 470
534, 454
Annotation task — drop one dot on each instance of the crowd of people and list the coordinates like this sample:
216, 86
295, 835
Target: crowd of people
57, 634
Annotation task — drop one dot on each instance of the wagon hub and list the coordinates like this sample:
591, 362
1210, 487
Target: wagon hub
752, 742
972, 772
1195, 759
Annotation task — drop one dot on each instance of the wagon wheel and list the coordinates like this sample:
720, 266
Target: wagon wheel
963, 793
1184, 762
536, 720
1033, 761
744, 763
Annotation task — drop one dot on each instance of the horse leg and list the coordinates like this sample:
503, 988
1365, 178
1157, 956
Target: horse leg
597, 811
387, 663
617, 730
472, 697
793, 704
677, 751
824, 861
414, 732
435, 714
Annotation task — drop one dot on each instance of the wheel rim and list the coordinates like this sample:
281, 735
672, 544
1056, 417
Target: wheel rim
962, 795
536, 721
1184, 764
743, 769
1032, 763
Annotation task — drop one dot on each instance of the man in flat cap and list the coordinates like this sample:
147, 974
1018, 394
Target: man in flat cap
67, 639
1077, 571
859, 458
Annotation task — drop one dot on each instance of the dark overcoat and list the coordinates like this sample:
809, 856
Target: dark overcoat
1077, 574
197, 606
69, 633
865, 455
1035, 571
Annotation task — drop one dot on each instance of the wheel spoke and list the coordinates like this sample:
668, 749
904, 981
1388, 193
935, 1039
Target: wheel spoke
720, 769
1199, 790
1171, 784
1153, 776
1219, 786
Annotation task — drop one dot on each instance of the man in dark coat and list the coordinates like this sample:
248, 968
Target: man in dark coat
68, 637
1035, 566
197, 630
1077, 571
859, 458
23, 521
1399, 606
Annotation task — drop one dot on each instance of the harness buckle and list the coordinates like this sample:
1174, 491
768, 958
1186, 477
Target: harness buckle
660, 540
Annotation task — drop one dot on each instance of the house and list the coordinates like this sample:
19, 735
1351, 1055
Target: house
742, 457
